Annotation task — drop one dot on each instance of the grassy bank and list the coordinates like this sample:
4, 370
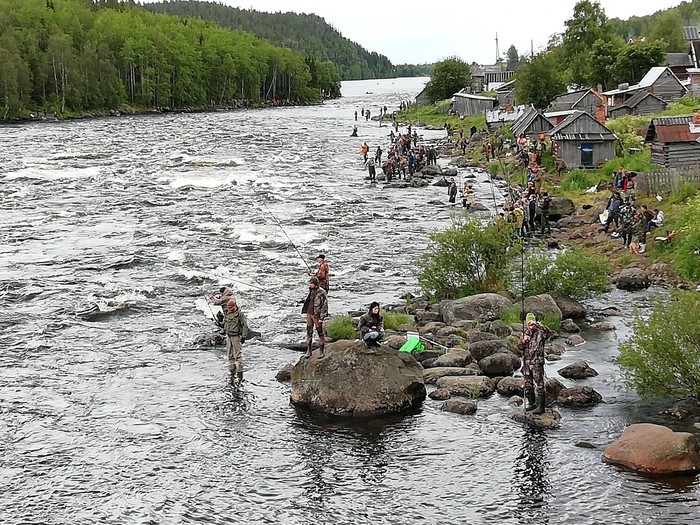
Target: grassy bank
437, 115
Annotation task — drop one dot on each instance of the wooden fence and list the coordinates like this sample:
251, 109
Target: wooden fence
667, 182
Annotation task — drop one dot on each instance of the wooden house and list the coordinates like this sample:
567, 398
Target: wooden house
532, 123
468, 105
679, 64
659, 81
422, 98
675, 140
586, 100
642, 103
581, 140
505, 93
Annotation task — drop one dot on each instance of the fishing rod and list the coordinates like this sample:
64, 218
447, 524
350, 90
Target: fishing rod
434, 343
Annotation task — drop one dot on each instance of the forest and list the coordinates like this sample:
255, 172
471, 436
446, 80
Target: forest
74, 57
307, 34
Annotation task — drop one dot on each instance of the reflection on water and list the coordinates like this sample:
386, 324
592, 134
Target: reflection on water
531, 477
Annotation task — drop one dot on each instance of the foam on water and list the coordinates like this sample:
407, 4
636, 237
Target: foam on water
52, 173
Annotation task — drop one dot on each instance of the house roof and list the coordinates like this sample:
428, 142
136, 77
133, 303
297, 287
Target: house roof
649, 80
673, 129
691, 33
525, 121
636, 99
474, 97
501, 115
560, 132
507, 87
568, 101
564, 113
679, 60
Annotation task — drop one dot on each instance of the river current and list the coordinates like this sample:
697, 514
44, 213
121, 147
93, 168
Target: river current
115, 416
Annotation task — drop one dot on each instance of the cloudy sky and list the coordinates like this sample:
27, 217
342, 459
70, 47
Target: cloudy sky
417, 33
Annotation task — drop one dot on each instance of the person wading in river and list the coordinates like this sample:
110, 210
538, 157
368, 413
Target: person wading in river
236, 329
531, 344
316, 310
452, 191
323, 272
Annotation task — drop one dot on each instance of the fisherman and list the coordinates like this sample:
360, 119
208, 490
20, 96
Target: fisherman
372, 170
364, 150
467, 196
378, 155
545, 207
322, 274
355, 116
531, 344
236, 329
354, 131
452, 191
371, 326
316, 310
220, 299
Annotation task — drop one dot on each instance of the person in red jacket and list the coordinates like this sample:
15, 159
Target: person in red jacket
322, 274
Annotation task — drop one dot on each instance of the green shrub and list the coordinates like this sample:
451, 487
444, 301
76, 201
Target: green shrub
467, 258
573, 273
513, 315
393, 320
340, 327
662, 357
683, 248
578, 180
686, 192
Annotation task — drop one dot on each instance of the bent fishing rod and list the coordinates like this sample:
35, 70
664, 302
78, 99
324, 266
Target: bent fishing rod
287, 236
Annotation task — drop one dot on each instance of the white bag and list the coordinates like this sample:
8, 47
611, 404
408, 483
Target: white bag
604, 216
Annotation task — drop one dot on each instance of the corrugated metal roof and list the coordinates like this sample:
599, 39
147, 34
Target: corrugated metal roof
649, 79
559, 132
474, 97
592, 137
679, 60
676, 133
671, 121
691, 33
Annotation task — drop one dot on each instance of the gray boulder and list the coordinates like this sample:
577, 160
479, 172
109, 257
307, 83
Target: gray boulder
455, 358
480, 307
474, 336
541, 305
355, 381
569, 326
632, 279
427, 316
431, 375
480, 386
482, 349
499, 364
440, 394
579, 396
570, 308
459, 407
577, 370
510, 386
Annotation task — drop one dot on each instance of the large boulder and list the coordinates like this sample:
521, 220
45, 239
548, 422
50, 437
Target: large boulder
456, 358
560, 207
632, 279
482, 349
499, 364
481, 307
431, 375
577, 370
356, 381
579, 396
542, 305
655, 449
470, 386
570, 308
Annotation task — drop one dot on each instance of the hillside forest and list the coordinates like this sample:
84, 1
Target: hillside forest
73, 57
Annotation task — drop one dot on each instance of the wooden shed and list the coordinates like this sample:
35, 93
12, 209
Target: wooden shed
422, 98
532, 123
586, 100
582, 141
505, 93
674, 141
659, 81
643, 103
468, 105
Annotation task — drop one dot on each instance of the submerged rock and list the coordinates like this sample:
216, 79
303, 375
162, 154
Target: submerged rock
655, 449
355, 381
459, 407
551, 419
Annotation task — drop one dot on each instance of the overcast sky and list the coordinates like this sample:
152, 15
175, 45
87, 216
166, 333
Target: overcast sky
417, 33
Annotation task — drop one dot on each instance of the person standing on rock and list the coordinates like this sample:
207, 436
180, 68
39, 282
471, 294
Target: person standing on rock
452, 191
531, 344
316, 310
371, 326
236, 329
545, 207
323, 272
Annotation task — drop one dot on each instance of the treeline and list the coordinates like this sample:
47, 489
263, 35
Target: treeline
307, 34
79, 56
591, 53
667, 24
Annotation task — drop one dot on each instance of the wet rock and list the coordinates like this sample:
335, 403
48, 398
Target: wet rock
515, 401
552, 388
551, 419
569, 326
655, 449
632, 279
456, 358
579, 396
482, 349
428, 363
575, 340
440, 394
355, 381
585, 444
469, 386
431, 170
427, 316
604, 326
610, 311
459, 407
570, 308
474, 336
480, 307
577, 370
431, 375
501, 363
677, 413
500, 328
477, 206
555, 349
285, 373
510, 386
542, 305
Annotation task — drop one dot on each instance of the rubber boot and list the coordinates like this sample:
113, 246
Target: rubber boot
321, 349
539, 409
308, 351
530, 398
239, 376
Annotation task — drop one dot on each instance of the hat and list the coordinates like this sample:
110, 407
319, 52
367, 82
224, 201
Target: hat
314, 280
320, 256
530, 318
231, 303
371, 306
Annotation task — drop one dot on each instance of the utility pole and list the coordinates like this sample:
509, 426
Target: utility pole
498, 54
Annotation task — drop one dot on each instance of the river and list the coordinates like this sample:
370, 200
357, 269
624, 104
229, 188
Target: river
118, 418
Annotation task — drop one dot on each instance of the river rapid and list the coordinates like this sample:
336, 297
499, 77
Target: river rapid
117, 417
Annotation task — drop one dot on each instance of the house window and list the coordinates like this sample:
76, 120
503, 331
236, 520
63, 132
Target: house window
587, 155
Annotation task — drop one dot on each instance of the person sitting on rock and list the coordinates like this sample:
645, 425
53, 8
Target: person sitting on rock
531, 344
371, 326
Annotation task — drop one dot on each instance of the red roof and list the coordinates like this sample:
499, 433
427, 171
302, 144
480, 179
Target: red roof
676, 133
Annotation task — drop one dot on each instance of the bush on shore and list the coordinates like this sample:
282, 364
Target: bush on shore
466, 259
340, 327
662, 357
573, 273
